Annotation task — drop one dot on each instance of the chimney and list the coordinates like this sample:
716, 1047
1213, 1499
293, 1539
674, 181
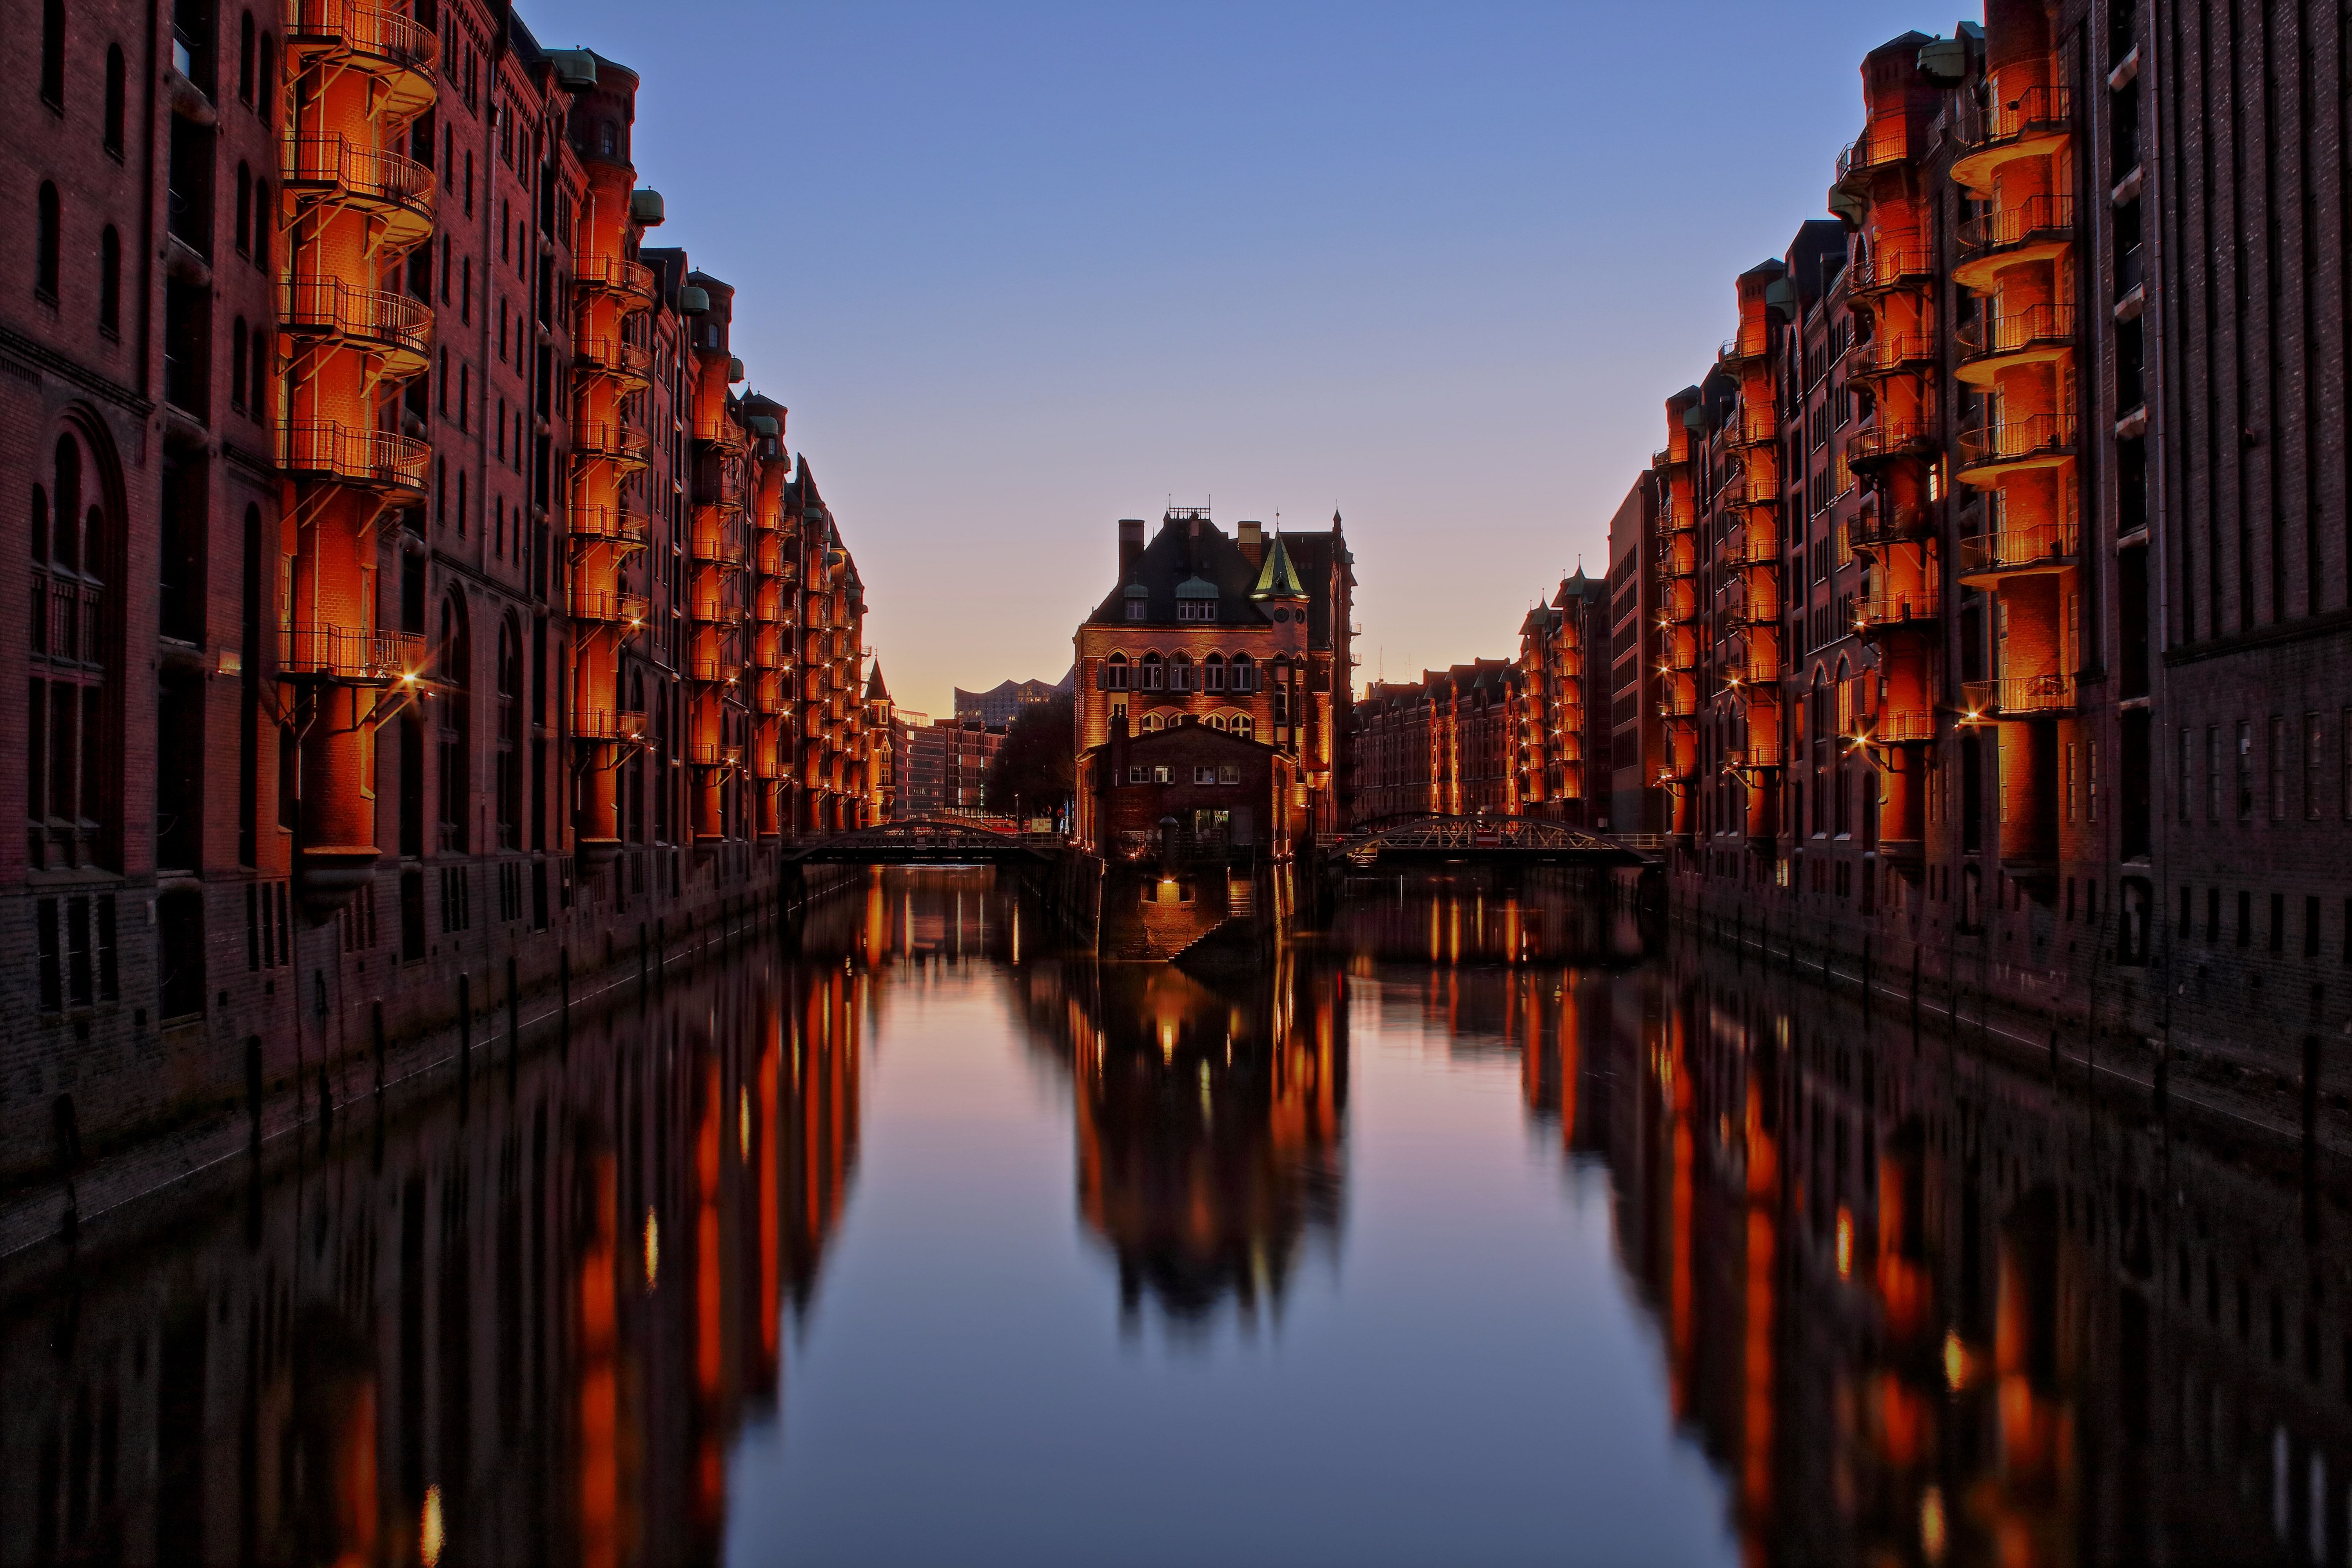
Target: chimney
1253, 541
1131, 546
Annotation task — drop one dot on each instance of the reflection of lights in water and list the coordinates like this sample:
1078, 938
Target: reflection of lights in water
1931, 1524
1206, 1114
652, 1248
428, 1529
744, 1122
1955, 1360
1845, 1242
1167, 1041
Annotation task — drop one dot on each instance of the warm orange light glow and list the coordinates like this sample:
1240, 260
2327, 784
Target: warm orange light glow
1931, 1525
1844, 1242
652, 1248
1956, 1361
429, 1538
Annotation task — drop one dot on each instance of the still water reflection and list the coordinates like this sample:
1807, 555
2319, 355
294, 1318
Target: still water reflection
1453, 1238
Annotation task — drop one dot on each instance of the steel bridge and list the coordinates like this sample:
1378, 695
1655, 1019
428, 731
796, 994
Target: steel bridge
926, 841
1505, 841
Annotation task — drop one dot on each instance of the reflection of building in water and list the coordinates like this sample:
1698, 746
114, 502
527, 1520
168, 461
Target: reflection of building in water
923, 915
521, 1324
1918, 1308
1465, 914
1209, 1121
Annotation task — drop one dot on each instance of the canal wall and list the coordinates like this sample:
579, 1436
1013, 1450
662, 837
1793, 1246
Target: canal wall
424, 1039
2137, 1031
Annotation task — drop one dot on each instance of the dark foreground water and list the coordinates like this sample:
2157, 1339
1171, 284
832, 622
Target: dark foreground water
1451, 1240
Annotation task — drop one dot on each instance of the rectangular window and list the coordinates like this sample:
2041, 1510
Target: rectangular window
48, 962
2245, 770
2277, 760
2213, 914
2188, 771
1135, 609
2278, 922
2091, 782
1203, 773
1229, 772
1159, 776
2311, 925
2245, 919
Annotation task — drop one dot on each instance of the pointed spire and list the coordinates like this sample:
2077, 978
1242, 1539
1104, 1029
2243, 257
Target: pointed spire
874, 691
1279, 579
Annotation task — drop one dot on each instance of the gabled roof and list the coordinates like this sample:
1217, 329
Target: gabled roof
874, 691
1191, 560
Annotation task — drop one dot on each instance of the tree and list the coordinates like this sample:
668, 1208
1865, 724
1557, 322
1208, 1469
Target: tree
1037, 766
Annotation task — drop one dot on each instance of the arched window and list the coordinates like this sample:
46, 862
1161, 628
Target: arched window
1213, 673
509, 779
1244, 673
453, 670
244, 205
71, 816
258, 398
245, 59
110, 282
268, 73
1115, 673
1153, 674
1180, 673
53, 54
1151, 721
237, 349
1216, 720
117, 78
46, 221
1244, 726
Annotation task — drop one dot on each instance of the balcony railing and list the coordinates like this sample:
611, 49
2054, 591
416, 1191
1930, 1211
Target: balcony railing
1753, 660
1760, 752
366, 30
716, 547
611, 440
1875, 148
717, 671
2013, 696
2038, 219
610, 355
323, 306
1679, 700
2020, 331
1898, 607
349, 654
377, 459
1681, 515
1889, 352
713, 754
1887, 440
2047, 545
1903, 726
610, 525
607, 606
2037, 112
1756, 483
2036, 438
1760, 605
1887, 524
1756, 542
608, 724
717, 612
1749, 343
1888, 266
614, 274
331, 167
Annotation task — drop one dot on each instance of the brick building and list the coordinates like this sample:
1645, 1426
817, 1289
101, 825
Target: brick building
1632, 731
947, 766
2000, 558
413, 605
1249, 634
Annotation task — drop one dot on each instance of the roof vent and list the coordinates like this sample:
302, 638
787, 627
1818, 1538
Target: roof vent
646, 207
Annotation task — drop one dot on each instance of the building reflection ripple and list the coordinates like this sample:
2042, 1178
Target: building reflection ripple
1913, 1305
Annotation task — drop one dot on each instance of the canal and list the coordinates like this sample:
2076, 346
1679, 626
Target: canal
1461, 1233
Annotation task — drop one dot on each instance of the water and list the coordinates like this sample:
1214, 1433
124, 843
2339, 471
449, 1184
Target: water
1458, 1237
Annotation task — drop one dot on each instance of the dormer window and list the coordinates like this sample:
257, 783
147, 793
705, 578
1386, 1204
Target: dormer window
1135, 609
1196, 609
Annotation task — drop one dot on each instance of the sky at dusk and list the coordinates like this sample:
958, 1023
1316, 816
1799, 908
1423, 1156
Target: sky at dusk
1020, 271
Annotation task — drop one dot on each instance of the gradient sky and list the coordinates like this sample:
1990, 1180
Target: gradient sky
1019, 272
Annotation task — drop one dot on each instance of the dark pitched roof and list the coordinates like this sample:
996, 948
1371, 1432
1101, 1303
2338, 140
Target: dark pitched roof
1186, 548
874, 691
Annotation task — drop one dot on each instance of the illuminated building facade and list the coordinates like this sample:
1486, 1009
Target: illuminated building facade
1998, 567
415, 614
1249, 634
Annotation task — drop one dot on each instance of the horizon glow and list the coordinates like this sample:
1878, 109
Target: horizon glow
1021, 271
